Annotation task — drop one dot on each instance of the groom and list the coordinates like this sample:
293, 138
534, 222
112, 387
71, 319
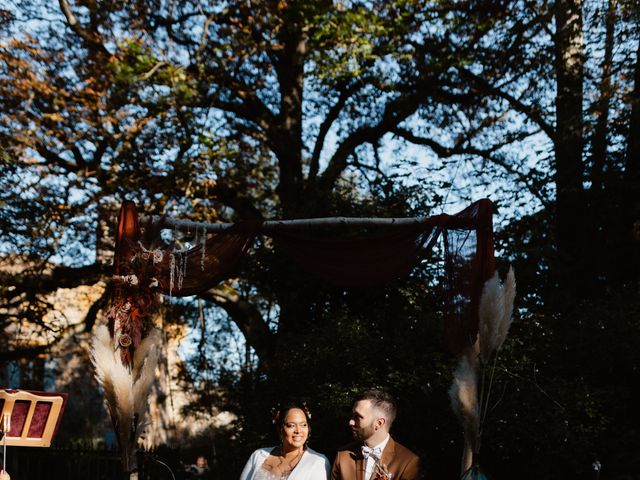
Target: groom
374, 455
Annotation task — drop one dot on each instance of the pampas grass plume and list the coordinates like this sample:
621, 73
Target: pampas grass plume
509, 295
495, 313
126, 391
146, 359
103, 359
463, 394
490, 312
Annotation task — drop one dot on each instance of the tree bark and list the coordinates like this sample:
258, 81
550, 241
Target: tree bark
568, 142
631, 182
599, 225
287, 135
599, 139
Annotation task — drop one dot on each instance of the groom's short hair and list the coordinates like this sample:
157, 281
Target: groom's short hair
382, 401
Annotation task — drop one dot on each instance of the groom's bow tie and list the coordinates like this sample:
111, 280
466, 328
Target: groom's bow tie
373, 452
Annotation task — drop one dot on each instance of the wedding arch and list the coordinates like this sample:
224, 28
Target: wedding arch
145, 268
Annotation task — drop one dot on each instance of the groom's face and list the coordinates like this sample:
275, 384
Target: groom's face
363, 420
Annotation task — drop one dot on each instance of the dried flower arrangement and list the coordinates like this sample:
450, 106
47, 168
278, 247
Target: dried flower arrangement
125, 354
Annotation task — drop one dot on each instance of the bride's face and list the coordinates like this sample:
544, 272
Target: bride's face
295, 429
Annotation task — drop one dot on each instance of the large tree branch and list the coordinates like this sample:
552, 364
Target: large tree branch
242, 205
100, 304
250, 108
91, 39
248, 319
531, 112
99, 152
58, 277
396, 111
332, 115
56, 159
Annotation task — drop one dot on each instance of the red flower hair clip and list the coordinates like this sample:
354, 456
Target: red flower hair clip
275, 414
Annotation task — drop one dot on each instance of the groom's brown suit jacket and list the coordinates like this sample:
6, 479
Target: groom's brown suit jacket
399, 461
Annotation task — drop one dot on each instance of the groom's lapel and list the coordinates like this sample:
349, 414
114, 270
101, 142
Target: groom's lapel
388, 453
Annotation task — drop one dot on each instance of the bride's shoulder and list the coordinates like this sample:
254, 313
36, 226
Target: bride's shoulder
263, 452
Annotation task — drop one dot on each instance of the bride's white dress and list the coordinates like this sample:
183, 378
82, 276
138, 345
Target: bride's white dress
312, 466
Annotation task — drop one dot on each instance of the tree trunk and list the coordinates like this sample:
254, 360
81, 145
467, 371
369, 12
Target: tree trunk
598, 228
293, 296
631, 182
568, 143
287, 141
633, 143
599, 139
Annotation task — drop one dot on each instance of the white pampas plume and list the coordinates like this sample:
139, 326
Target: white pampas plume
152, 341
115, 378
463, 394
145, 361
490, 312
122, 385
495, 313
126, 391
509, 295
103, 359
494, 319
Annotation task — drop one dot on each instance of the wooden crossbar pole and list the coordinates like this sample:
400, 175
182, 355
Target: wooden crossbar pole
274, 225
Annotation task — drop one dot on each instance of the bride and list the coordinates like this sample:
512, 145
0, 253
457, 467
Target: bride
292, 459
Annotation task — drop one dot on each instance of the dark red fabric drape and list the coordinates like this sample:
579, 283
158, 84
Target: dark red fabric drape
204, 267
374, 260
360, 261
348, 262
469, 263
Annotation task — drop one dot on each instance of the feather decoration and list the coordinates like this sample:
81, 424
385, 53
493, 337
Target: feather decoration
495, 313
148, 346
115, 379
103, 359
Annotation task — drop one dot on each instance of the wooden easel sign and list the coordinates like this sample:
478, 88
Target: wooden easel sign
30, 418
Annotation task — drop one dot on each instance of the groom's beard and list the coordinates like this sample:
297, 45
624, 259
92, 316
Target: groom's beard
363, 433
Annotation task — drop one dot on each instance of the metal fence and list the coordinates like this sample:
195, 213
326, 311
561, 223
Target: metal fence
88, 464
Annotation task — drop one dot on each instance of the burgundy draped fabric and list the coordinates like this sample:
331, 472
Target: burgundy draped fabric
349, 262
469, 263
374, 260
203, 266
359, 261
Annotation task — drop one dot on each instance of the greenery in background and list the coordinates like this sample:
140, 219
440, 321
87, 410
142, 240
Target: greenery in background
251, 110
